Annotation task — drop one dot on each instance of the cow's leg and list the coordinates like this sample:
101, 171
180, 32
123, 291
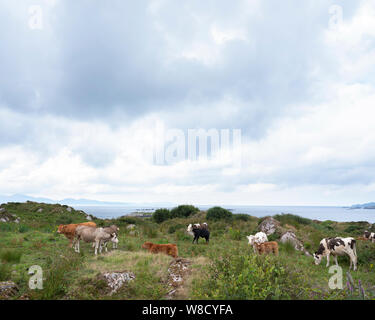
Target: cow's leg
96, 246
336, 261
77, 247
327, 265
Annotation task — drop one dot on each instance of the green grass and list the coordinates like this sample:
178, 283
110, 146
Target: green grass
226, 268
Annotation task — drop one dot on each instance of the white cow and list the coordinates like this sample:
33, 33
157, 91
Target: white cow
258, 238
96, 235
337, 247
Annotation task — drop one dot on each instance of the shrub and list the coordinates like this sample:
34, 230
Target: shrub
161, 215
172, 229
273, 237
218, 213
4, 272
354, 229
184, 211
240, 277
23, 228
242, 217
11, 256
64, 220
292, 219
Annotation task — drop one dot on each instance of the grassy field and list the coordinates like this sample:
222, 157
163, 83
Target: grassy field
226, 268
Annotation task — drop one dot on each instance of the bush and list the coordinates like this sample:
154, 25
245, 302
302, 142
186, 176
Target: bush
292, 219
354, 229
161, 215
218, 213
172, 229
64, 220
241, 217
11, 256
246, 277
4, 272
22, 228
184, 211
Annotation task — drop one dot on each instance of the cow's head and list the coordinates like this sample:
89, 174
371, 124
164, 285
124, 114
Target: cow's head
317, 258
251, 239
61, 228
114, 238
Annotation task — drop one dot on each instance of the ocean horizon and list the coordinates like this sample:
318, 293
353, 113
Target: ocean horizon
335, 213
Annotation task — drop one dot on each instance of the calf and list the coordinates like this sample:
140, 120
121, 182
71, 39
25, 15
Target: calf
112, 229
259, 237
198, 232
169, 249
68, 230
97, 235
267, 247
337, 247
369, 235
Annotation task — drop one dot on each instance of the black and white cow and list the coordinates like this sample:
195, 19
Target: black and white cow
369, 235
337, 247
197, 232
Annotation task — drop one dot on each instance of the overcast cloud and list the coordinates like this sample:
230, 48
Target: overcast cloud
83, 97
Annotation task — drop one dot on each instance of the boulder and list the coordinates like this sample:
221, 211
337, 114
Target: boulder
39, 210
116, 280
8, 289
130, 227
69, 209
2, 210
289, 236
7, 217
269, 226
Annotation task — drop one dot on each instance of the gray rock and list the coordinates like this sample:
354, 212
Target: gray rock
40, 210
8, 289
2, 210
289, 236
88, 218
130, 227
69, 209
269, 226
116, 280
3, 220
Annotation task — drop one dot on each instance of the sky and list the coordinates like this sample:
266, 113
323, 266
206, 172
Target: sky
97, 99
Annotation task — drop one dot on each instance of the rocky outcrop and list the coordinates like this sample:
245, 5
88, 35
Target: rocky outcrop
116, 280
130, 227
178, 269
7, 217
8, 289
290, 236
269, 226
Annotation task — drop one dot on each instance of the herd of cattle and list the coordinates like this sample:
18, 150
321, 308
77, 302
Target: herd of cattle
99, 237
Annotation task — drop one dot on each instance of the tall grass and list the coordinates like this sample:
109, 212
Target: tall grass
13, 256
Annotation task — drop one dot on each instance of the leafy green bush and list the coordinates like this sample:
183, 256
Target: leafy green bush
161, 215
64, 220
173, 228
218, 213
354, 229
242, 217
237, 276
23, 228
184, 211
273, 237
6, 227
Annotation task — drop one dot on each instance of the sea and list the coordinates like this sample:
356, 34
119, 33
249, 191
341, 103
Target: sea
342, 214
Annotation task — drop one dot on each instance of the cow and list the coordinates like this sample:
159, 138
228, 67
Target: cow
267, 247
369, 235
112, 229
169, 249
337, 247
259, 237
198, 232
68, 230
97, 235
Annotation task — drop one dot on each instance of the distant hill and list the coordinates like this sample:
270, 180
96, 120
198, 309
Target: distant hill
69, 201
370, 205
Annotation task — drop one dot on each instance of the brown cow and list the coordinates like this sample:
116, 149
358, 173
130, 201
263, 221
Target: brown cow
169, 249
267, 247
69, 230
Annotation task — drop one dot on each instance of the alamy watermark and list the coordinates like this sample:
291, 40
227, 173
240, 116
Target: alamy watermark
36, 279
174, 145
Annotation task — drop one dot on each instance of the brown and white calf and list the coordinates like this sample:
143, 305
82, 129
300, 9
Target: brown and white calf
337, 247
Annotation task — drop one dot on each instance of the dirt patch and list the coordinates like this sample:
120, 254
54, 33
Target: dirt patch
178, 270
